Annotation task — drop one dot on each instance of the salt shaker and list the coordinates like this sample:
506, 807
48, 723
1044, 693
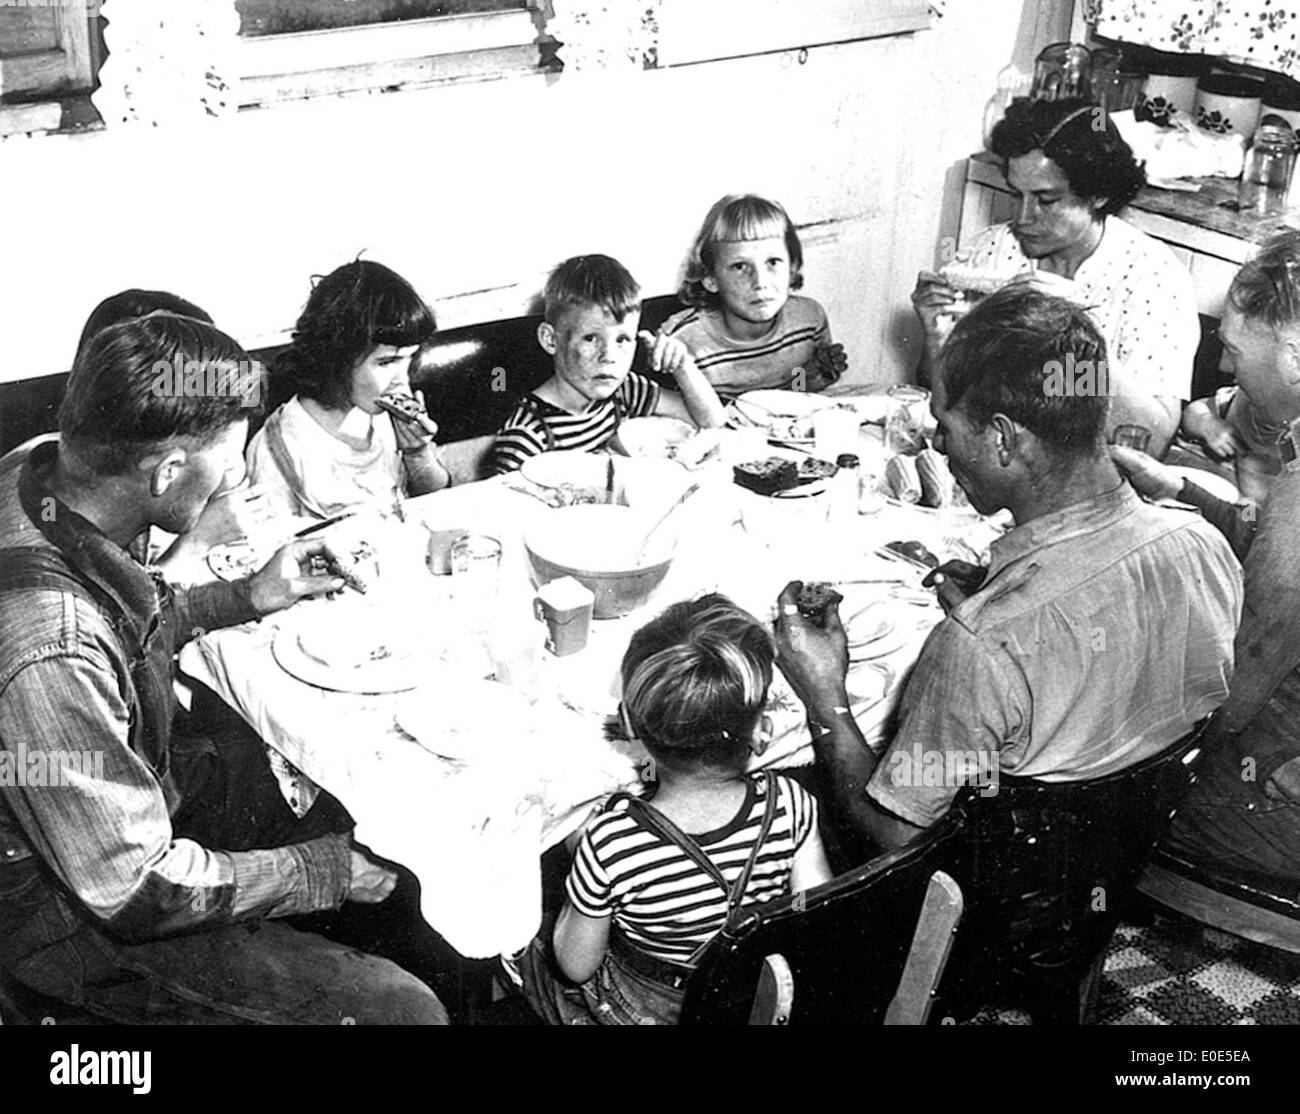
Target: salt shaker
843, 508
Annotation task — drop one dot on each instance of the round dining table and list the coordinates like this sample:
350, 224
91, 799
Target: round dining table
466, 781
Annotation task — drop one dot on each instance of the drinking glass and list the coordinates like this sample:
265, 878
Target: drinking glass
905, 418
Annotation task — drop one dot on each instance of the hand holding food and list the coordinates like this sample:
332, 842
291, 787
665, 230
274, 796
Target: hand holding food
412, 426
828, 364
955, 581
815, 602
815, 660
292, 574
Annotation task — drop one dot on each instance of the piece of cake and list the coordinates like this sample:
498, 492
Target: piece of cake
767, 477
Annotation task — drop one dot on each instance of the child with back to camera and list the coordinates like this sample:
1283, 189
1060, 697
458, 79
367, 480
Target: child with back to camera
654, 879
592, 310
352, 434
746, 329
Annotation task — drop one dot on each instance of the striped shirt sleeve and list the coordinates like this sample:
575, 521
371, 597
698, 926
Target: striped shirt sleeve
588, 885
520, 438
638, 396
803, 809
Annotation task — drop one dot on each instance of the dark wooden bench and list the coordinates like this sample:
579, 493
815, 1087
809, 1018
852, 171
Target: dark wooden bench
470, 377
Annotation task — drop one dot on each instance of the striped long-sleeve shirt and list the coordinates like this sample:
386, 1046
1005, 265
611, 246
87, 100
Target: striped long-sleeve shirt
774, 360
661, 900
536, 426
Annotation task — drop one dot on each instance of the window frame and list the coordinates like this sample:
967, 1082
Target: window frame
691, 31
403, 53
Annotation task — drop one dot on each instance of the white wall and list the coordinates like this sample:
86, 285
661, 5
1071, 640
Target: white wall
474, 191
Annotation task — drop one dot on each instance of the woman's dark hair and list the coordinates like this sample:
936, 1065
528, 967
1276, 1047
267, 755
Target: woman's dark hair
350, 312
1024, 354
150, 380
136, 303
1082, 140
695, 681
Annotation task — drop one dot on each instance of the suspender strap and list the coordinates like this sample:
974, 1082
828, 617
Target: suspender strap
651, 818
280, 454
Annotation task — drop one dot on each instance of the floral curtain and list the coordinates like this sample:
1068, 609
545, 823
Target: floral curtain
606, 34
1259, 32
169, 61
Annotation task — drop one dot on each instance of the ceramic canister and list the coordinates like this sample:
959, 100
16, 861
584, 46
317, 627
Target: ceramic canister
1170, 87
1229, 103
1165, 95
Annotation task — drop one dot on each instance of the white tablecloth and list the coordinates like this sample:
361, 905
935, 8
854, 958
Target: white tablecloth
472, 829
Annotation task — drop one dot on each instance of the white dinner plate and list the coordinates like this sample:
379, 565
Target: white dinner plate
868, 683
786, 415
890, 642
656, 437
346, 646
232, 562
870, 402
566, 466
457, 715
865, 619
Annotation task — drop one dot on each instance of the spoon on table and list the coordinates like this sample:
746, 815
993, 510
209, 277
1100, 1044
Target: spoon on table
645, 541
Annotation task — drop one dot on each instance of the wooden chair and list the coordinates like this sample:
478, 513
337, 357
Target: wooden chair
865, 948
1255, 907
1051, 867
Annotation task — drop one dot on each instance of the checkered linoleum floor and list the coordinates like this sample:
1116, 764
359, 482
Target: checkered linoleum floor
1175, 972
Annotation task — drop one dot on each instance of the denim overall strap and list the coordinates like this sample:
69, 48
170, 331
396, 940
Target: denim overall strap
654, 820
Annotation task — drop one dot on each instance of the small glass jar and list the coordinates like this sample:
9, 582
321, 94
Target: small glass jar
476, 560
1266, 176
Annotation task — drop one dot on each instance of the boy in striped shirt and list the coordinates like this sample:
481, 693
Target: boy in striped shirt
593, 308
654, 879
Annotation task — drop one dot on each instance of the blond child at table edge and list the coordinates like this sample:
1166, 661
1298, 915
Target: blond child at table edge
592, 310
634, 919
745, 328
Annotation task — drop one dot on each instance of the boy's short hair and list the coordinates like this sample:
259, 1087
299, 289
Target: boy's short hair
350, 312
1266, 291
591, 280
737, 217
127, 394
695, 681
126, 304
1000, 359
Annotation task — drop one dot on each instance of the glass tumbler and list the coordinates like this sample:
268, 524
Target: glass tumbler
905, 418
